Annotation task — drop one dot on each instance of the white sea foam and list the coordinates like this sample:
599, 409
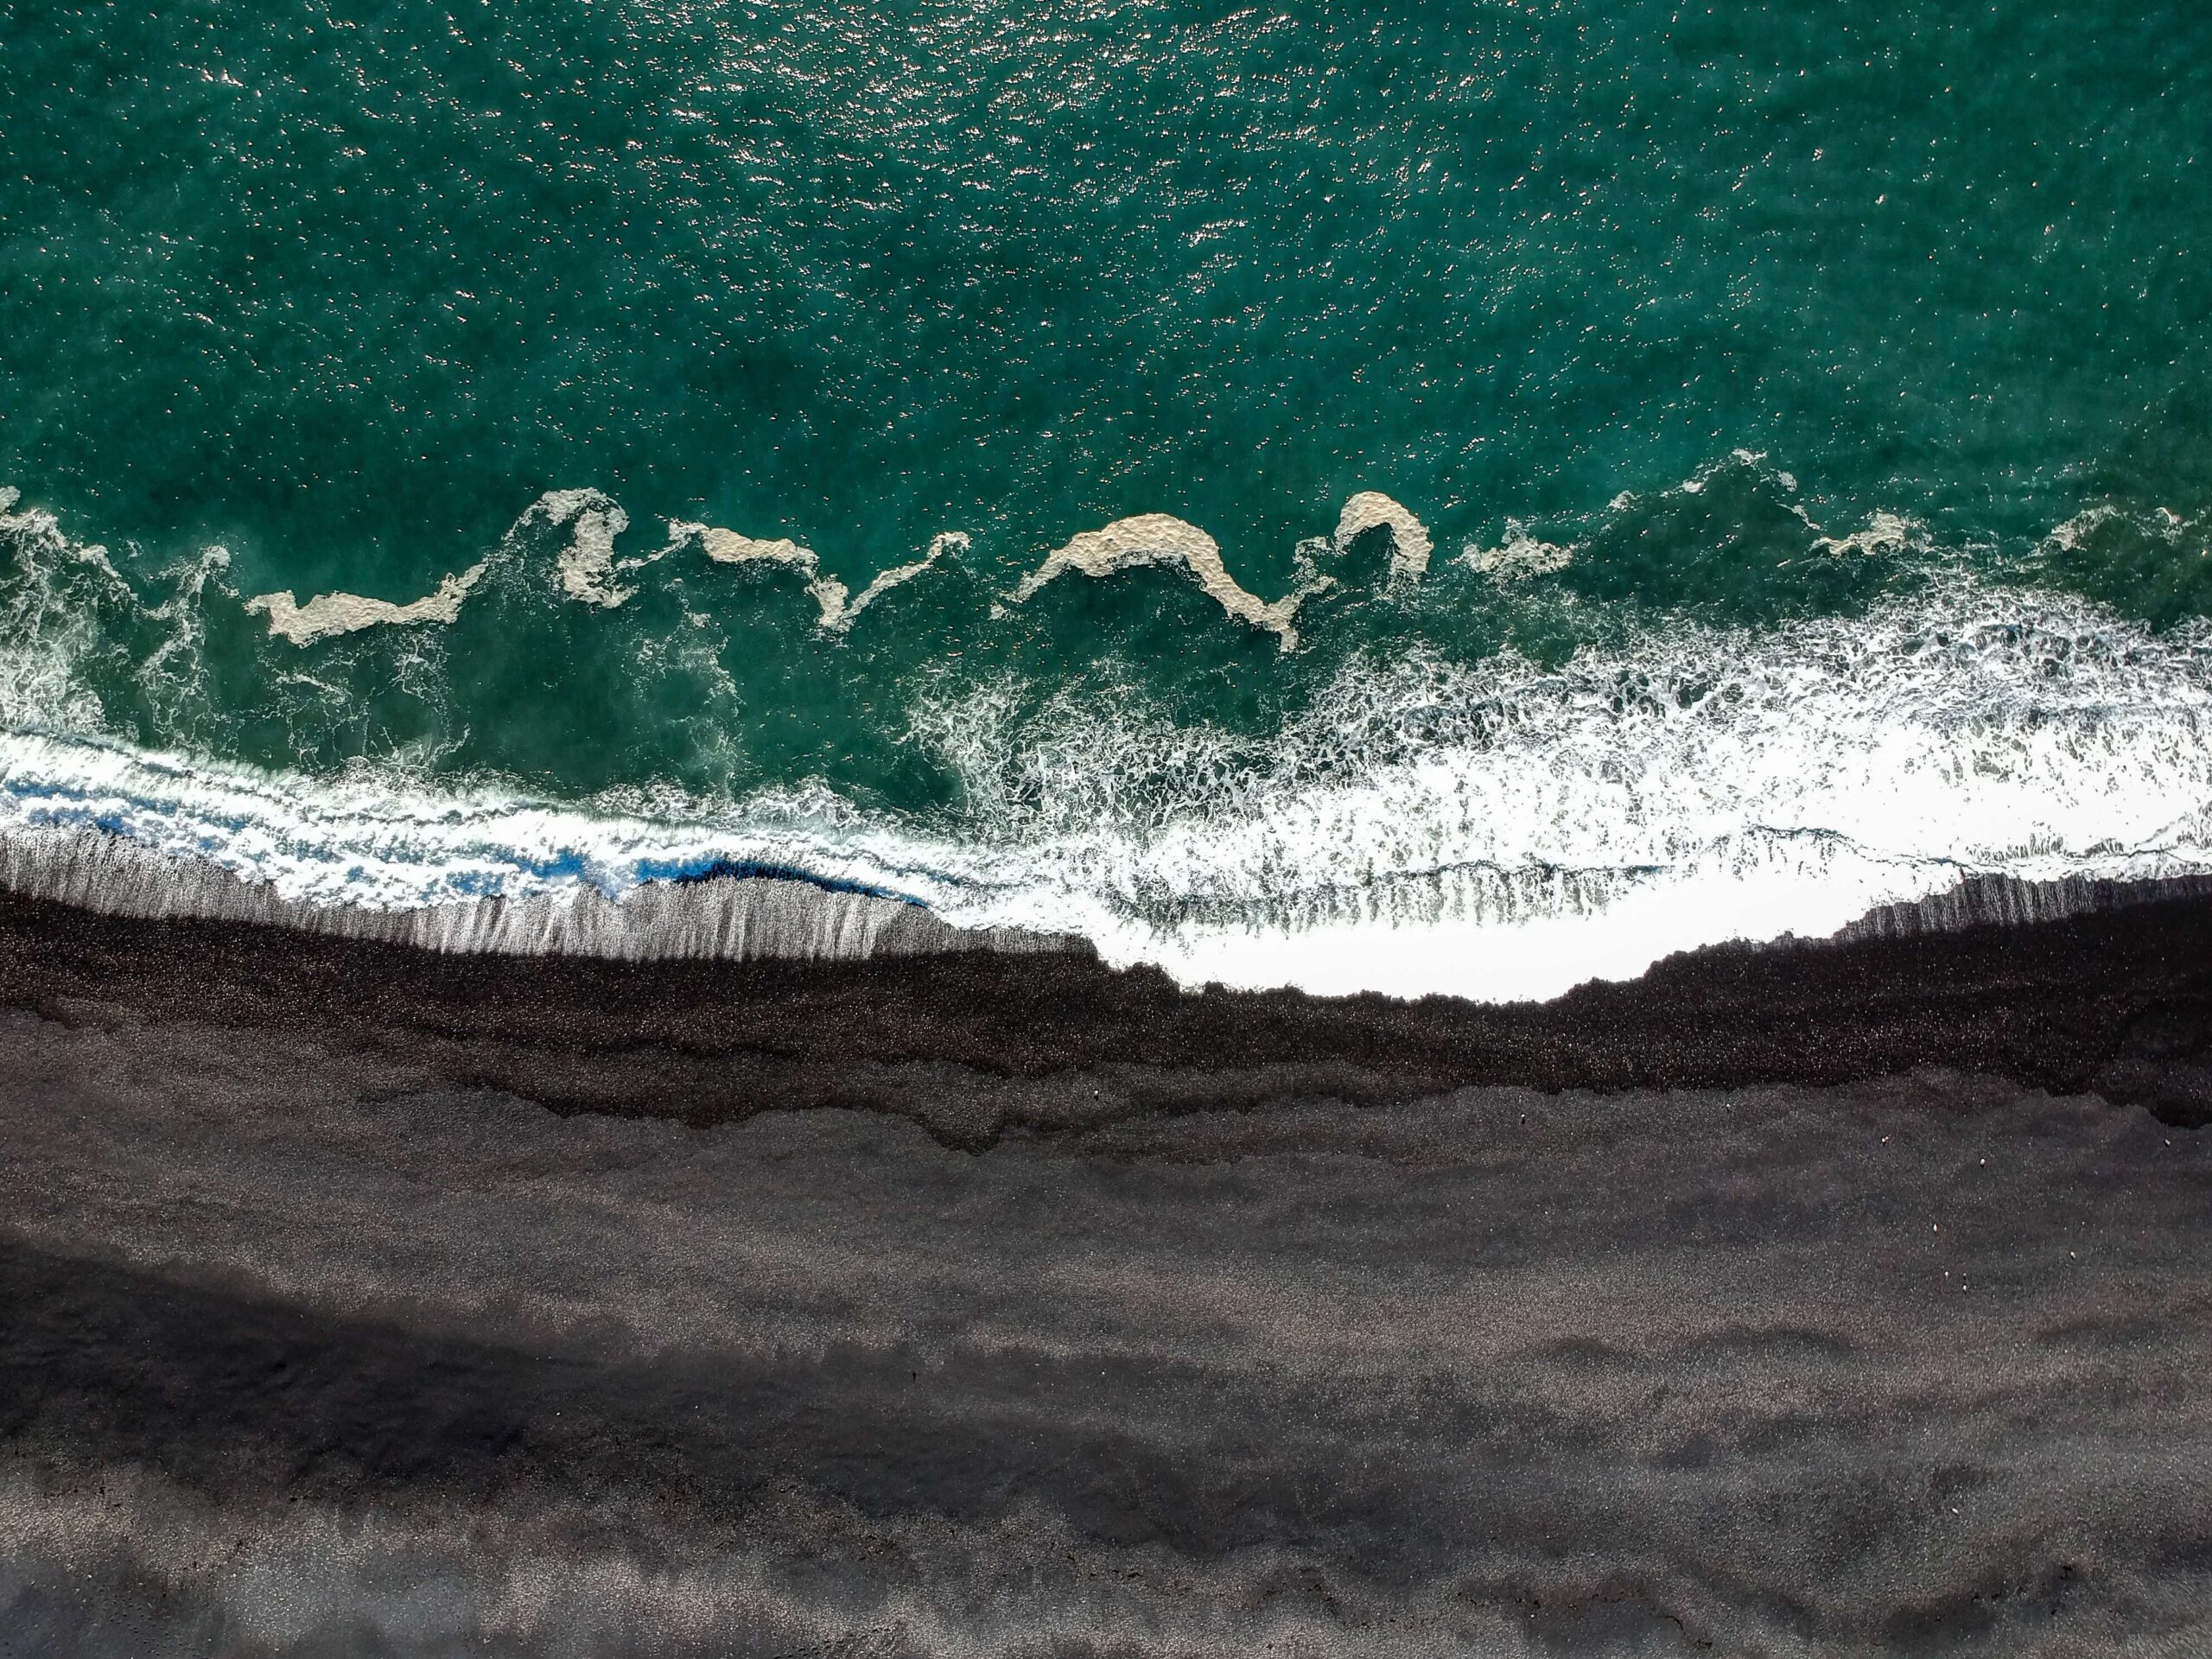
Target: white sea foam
328, 614
1506, 830
588, 571
1160, 538
1517, 556
837, 605
1500, 830
1410, 545
1152, 538
951, 540
47, 626
1885, 532
588, 568
2159, 523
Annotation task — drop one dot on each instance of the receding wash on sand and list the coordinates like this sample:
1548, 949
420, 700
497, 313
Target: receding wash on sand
1012, 829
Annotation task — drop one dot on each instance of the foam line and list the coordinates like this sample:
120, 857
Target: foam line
951, 540
1518, 555
1158, 539
329, 615
587, 572
1885, 532
832, 599
1410, 545
587, 566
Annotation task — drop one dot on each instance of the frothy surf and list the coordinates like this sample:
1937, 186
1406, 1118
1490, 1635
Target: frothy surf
1507, 829
837, 604
328, 614
1160, 538
1503, 831
588, 571
1152, 539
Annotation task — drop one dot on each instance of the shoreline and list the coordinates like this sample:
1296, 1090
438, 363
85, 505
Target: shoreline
2116, 998
760, 913
733, 918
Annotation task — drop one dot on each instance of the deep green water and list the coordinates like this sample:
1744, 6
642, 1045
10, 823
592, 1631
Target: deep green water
343, 288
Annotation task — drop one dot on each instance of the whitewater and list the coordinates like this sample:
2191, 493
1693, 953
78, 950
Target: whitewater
1502, 829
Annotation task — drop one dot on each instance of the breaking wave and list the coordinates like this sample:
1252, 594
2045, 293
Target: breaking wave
1507, 829
1502, 829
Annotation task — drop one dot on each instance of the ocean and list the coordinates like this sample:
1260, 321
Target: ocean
1364, 497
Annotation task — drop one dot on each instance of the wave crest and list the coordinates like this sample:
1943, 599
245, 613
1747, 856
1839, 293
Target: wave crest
1506, 828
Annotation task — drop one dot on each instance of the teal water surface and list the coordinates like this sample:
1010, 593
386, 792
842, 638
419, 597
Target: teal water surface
343, 288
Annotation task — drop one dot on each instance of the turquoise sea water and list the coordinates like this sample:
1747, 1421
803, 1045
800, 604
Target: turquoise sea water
1697, 337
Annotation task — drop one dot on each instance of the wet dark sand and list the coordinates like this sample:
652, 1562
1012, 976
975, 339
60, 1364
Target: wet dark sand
1845, 1299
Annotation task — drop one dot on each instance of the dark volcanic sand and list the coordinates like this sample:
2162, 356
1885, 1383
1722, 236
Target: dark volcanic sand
1850, 1300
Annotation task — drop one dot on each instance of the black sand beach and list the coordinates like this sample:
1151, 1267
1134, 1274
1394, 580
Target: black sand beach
1838, 1299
